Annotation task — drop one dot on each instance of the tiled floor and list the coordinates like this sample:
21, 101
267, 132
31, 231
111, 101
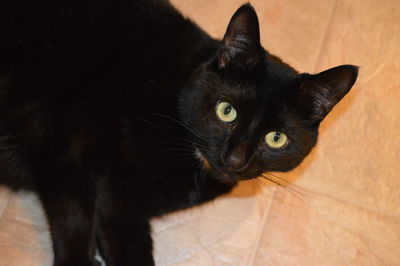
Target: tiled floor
345, 209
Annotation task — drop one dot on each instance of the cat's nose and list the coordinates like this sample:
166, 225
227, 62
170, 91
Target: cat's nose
236, 159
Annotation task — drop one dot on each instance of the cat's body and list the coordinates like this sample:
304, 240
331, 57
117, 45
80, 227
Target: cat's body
109, 110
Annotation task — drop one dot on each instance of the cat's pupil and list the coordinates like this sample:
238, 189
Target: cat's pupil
277, 136
228, 109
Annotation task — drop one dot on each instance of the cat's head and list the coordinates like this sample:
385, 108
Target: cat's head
252, 113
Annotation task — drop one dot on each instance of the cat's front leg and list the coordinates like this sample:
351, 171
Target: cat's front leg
69, 205
125, 240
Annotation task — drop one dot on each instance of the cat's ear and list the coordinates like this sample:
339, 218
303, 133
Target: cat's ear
319, 93
240, 46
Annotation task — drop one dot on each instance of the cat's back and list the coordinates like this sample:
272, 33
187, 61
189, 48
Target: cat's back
68, 69
54, 53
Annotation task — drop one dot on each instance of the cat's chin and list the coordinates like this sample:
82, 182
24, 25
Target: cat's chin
224, 178
230, 177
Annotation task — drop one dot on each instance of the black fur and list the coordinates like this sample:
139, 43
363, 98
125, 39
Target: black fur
107, 111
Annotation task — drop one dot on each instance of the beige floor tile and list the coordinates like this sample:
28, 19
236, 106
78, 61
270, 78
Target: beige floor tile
358, 157
319, 230
24, 237
212, 16
293, 30
222, 232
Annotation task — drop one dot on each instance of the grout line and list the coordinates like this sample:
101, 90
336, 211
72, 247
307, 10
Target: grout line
5, 203
260, 230
328, 26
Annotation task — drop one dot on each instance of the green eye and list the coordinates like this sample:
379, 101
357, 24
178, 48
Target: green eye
276, 140
226, 112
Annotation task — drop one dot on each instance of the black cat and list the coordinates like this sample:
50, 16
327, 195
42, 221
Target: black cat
117, 111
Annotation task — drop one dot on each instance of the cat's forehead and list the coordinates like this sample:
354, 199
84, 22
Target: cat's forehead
265, 88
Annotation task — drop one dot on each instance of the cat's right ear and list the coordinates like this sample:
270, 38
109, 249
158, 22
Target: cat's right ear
240, 47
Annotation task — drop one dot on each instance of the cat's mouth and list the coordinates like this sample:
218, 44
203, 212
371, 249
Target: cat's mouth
221, 173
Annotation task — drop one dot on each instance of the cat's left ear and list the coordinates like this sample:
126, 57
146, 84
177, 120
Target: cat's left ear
319, 93
240, 47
